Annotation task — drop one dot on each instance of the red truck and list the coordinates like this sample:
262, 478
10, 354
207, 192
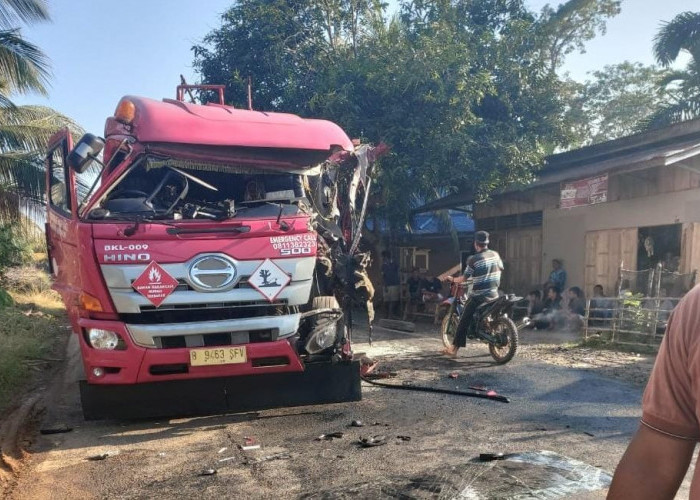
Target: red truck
213, 265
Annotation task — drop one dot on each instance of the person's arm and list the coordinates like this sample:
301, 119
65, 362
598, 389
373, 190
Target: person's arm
653, 466
658, 456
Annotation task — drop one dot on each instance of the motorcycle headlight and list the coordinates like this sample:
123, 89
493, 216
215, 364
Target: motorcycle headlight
322, 338
103, 339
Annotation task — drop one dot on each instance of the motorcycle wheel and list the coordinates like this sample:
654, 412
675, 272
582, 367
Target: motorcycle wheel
448, 328
505, 330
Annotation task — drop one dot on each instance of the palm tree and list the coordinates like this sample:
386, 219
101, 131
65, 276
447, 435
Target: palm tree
682, 86
24, 130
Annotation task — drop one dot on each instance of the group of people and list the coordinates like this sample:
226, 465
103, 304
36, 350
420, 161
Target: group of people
549, 309
421, 289
658, 457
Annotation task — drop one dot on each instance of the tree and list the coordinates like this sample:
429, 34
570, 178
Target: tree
462, 90
616, 101
24, 130
569, 26
682, 86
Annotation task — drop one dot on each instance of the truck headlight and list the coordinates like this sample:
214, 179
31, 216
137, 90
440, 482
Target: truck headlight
323, 337
103, 339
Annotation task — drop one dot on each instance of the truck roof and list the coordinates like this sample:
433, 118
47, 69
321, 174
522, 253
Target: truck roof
172, 121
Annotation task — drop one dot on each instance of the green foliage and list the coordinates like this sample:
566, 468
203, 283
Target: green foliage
569, 26
14, 248
5, 299
463, 91
615, 101
682, 87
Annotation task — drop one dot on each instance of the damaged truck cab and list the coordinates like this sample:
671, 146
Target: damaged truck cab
213, 263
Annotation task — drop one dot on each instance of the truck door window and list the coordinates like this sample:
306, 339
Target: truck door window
59, 181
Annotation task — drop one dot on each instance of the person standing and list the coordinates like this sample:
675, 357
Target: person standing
392, 284
660, 453
484, 268
557, 277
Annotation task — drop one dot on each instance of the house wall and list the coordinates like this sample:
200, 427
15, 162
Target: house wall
564, 231
656, 196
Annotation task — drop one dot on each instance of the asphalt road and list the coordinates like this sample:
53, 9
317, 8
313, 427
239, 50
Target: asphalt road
574, 413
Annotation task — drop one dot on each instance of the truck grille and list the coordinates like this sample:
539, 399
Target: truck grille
215, 339
151, 315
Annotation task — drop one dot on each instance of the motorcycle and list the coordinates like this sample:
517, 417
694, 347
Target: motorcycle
491, 324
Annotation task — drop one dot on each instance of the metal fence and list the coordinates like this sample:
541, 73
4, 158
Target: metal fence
630, 319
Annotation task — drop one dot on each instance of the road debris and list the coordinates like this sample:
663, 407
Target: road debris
95, 458
489, 457
453, 375
207, 472
589, 434
372, 441
404, 438
222, 450
330, 436
227, 459
249, 443
357, 423
62, 429
275, 456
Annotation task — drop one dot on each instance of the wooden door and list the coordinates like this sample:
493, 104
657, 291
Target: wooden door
521, 251
690, 247
606, 251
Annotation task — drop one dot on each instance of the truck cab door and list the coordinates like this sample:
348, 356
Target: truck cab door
61, 220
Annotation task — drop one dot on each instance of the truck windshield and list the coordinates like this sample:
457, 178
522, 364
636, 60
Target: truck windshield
163, 189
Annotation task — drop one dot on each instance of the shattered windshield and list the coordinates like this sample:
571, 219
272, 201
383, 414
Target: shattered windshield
167, 189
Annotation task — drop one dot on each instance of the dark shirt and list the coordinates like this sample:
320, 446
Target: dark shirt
552, 305
390, 273
414, 285
577, 306
434, 285
534, 307
485, 268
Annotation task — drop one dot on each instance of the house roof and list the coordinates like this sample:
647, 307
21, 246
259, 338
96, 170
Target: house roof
661, 147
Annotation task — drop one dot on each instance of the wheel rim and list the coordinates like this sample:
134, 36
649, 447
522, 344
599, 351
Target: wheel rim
504, 339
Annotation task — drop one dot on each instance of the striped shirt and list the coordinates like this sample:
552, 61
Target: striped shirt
485, 268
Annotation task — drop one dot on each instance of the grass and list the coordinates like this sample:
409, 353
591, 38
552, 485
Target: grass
607, 345
29, 330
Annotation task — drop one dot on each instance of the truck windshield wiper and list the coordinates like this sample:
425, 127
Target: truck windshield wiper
194, 230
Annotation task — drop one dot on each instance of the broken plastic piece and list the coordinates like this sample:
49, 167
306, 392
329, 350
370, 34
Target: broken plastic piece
371, 441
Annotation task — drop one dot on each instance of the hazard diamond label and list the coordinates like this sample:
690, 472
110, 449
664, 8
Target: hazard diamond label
155, 284
269, 279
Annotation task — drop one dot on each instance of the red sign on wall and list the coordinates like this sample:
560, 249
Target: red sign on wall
155, 284
584, 192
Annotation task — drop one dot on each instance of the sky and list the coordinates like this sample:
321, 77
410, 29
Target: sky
101, 51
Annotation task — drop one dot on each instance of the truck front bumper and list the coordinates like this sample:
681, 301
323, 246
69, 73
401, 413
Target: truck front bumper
320, 383
136, 364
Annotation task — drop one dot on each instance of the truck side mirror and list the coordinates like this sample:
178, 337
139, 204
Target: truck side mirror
85, 152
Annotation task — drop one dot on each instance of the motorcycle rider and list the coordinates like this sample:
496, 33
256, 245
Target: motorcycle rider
484, 269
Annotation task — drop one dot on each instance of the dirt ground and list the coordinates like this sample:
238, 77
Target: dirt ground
571, 415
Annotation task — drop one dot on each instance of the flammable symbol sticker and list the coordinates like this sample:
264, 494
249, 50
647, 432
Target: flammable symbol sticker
155, 284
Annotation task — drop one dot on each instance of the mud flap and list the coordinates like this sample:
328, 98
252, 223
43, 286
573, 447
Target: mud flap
320, 383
